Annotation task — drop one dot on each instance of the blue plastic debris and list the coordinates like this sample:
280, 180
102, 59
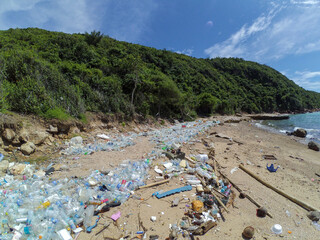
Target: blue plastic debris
89, 229
271, 168
173, 191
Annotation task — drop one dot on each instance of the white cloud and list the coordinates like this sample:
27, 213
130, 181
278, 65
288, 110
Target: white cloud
307, 74
209, 23
307, 79
309, 47
284, 30
305, 2
129, 20
236, 44
124, 20
58, 15
187, 52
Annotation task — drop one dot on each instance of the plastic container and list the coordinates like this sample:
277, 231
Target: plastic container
202, 158
277, 229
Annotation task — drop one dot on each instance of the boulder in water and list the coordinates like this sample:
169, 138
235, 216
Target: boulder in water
300, 132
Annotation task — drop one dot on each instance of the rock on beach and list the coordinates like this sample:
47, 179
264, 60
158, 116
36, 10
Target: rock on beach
28, 148
314, 146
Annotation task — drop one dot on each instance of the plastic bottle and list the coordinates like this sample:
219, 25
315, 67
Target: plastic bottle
136, 197
16, 235
316, 225
202, 158
44, 205
203, 173
88, 214
288, 213
72, 224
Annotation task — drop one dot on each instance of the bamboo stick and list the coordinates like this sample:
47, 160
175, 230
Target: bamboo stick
216, 171
155, 184
212, 192
220, 202
190, 160
298, 202
205, 185
246, 195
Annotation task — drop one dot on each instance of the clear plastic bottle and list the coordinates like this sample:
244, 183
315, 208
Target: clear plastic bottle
50, 231
316, 225
88, 214
203, 173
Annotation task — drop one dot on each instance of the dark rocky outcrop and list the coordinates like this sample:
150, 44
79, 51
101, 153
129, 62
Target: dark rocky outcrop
269, 117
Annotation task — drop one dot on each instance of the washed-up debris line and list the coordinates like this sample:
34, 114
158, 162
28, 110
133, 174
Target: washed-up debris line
178, 134
118, 142
41, 208
166, 137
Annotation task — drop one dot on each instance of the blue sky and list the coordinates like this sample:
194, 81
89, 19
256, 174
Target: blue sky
283, 34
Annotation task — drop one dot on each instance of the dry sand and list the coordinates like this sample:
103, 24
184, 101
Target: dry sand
296, 177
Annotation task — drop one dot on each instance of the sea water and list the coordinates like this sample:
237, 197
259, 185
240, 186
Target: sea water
308, 121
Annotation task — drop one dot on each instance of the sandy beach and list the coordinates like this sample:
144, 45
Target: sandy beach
246, 145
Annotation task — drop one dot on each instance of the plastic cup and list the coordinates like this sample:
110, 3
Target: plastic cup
277, 229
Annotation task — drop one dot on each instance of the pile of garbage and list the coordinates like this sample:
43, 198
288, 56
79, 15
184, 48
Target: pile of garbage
37, 207
214, 193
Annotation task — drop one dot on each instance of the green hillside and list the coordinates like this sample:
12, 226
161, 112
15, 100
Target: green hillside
43, 72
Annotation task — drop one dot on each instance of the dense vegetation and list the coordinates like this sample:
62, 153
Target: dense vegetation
48, 73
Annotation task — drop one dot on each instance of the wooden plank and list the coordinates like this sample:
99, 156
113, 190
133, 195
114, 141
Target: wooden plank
296, 201
154, 184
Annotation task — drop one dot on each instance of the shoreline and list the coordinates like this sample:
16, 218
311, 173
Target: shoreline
271, 125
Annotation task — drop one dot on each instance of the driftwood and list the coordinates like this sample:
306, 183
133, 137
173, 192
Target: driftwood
269, 157
154, 184
216, 170
204, 228
246, 195
104, 228
298, 202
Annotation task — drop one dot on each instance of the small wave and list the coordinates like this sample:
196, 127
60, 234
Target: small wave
308, 129
269, 128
